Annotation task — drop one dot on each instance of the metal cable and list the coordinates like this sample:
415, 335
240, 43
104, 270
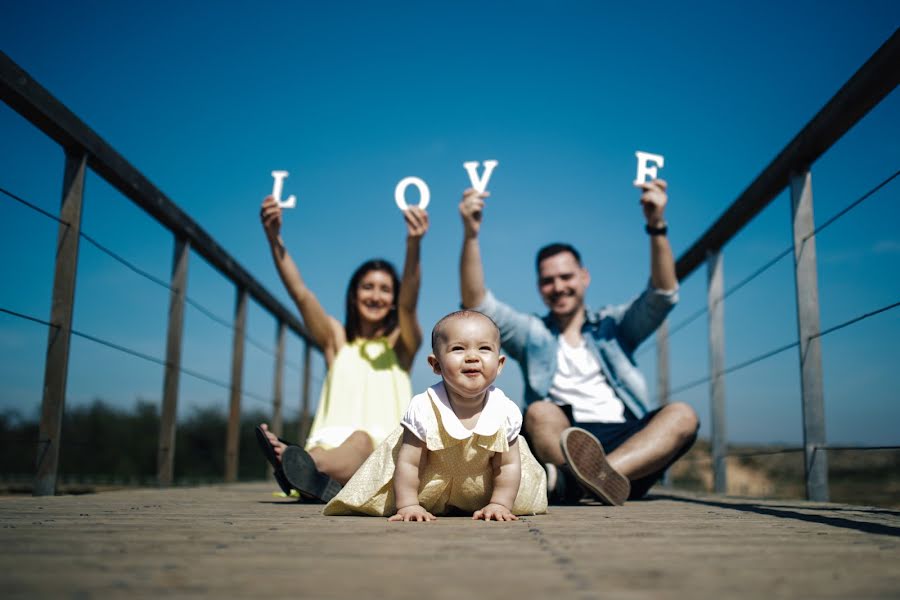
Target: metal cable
34, 207
851, 206
129, 265
780, 349
138, 354
777, 258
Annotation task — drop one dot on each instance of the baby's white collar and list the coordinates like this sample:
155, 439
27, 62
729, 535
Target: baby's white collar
491, 419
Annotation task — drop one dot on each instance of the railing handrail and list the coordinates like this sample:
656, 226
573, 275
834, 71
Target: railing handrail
31, 100
869, 85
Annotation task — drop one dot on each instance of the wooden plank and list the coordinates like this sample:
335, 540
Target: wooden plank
233, 434
811, 387
716, 303
869, 85
305, 420
31, 100
165, 458
56, 366
234, 541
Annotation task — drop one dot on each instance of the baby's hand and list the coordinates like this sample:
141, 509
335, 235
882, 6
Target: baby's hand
413, 513
497, 512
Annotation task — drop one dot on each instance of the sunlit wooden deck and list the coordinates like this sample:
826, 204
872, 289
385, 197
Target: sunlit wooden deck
238, 540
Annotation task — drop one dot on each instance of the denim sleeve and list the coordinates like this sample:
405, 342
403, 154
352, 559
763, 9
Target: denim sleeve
514, 325
643, 316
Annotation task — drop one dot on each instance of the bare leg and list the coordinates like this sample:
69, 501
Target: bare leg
650, 449
545, 422
342, 462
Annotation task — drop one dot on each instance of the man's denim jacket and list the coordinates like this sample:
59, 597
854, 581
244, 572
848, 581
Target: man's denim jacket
613, 334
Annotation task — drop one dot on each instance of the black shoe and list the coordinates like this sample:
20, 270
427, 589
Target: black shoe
301, 474
269, 451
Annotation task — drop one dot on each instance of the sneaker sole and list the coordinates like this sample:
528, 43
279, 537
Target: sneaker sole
301, 473
587, 461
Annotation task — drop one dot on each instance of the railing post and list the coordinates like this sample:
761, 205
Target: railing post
816, 460
662, 364
233, 435
165, 458
304, 422
662, 377
716, 303
59, 335
278, 384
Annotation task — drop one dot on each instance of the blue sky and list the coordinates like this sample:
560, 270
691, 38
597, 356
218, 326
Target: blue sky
206, 100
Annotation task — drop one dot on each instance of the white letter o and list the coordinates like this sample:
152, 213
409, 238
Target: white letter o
400, 192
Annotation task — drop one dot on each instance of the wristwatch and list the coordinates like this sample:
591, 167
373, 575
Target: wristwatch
657, 230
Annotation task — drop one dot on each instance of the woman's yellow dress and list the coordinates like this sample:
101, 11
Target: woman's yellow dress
457, 476
365, 389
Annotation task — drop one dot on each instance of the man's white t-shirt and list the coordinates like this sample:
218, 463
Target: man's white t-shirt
580, 383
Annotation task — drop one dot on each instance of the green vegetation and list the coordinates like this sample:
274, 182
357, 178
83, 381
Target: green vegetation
101, 443
867, 477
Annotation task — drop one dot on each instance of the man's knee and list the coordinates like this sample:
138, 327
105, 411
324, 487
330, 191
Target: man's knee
544, 413
684, 419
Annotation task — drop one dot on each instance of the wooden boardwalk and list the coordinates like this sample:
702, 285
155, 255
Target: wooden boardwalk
239, 541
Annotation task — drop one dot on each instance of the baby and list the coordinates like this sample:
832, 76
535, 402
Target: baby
458, 448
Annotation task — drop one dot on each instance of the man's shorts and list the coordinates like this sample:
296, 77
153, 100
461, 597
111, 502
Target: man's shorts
613, 435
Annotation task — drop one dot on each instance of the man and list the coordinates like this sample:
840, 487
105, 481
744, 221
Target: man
583, 391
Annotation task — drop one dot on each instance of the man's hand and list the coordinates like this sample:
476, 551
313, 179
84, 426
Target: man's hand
270, 215
413, 513
471, 208
494, 511
416, 222
653, 201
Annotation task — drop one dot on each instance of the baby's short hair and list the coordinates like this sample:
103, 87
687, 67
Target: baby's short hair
437, 334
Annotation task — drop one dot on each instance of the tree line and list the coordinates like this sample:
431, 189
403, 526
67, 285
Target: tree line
100, 440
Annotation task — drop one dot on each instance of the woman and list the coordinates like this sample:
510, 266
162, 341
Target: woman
369, 357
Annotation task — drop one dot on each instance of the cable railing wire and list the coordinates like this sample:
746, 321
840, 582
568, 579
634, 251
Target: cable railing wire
126, 263
789, 450
851, 206
33, 207
780, 349
208, 313
131, 266
139, 354
775, 259
856, 320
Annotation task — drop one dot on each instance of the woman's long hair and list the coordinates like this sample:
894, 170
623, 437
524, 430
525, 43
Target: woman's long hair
351, 320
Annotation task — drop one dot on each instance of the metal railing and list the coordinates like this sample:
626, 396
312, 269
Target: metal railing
84, 150
790, 169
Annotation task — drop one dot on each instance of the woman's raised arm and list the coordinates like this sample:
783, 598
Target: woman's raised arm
324, 329
410, 331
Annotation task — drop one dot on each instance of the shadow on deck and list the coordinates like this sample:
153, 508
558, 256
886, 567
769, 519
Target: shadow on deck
238, 540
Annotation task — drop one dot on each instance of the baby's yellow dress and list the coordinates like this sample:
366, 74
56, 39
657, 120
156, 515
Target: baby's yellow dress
458, 474
365, 389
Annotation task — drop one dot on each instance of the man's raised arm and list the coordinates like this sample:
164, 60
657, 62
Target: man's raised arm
471, 271
662, 263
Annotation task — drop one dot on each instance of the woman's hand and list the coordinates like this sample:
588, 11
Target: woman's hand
496, 512
270, 215
416, 222
413, 513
